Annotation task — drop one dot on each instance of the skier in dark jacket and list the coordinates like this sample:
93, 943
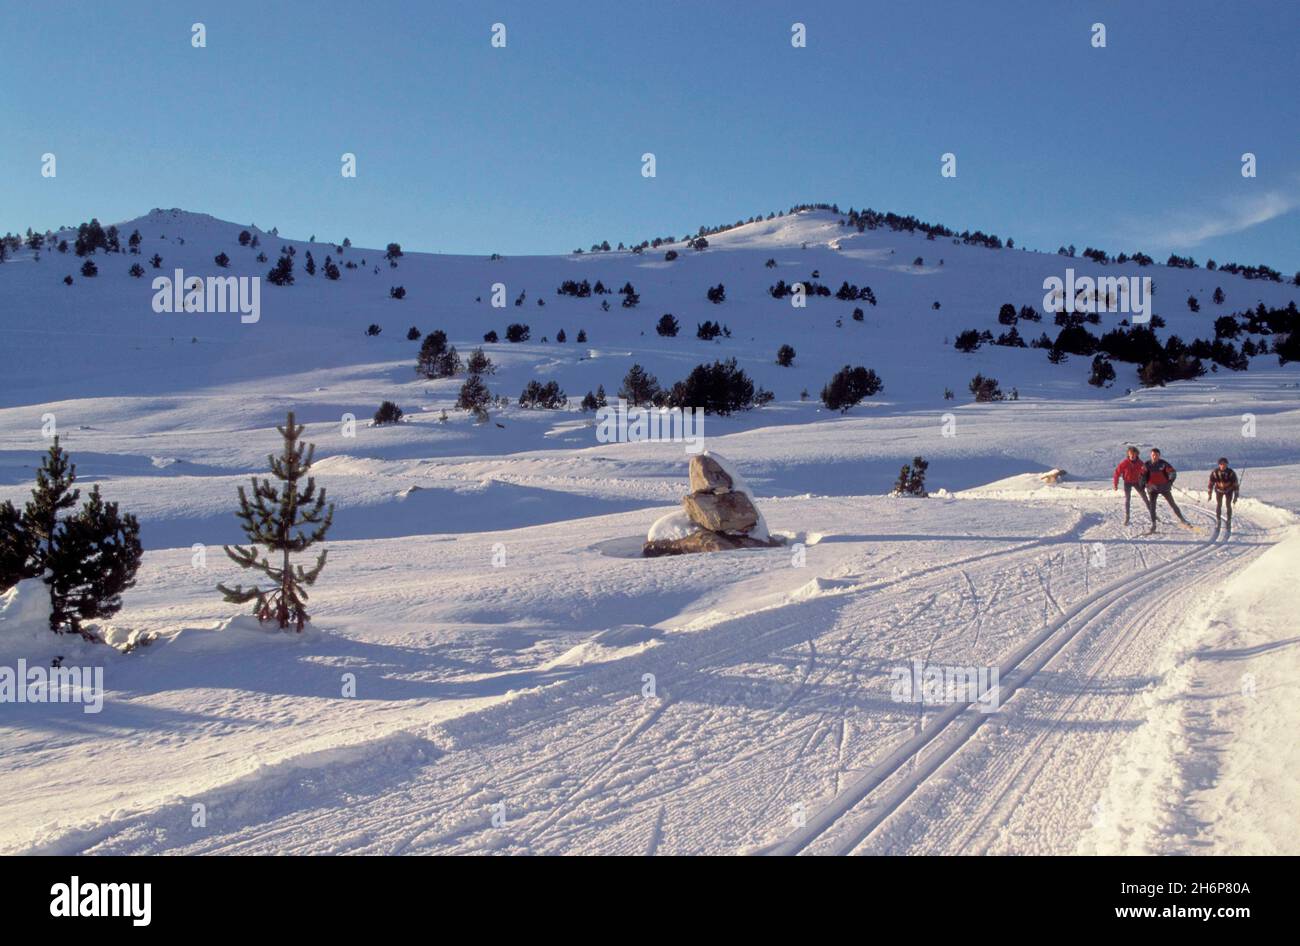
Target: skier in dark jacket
1158, 476
1224, 487
1130, 471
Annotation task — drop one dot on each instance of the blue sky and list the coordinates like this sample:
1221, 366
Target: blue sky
537, 147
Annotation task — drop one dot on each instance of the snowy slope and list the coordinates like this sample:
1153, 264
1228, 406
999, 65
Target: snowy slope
516, 687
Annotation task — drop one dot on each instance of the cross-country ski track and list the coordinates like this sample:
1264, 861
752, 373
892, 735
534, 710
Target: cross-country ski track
771, 728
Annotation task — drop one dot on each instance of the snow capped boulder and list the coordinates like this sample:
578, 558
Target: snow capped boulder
708, 476
720, 514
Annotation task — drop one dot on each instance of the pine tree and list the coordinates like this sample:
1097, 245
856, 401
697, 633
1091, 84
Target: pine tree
53, 494
269, 519
94, 558
282, 273
88, 559
911, 478
16, 547
479, 363
639, 386
474, 396
436, 360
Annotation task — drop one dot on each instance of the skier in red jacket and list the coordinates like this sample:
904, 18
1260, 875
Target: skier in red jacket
1130, 471
1158, 476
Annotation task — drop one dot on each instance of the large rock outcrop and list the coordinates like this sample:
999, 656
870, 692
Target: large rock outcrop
719, 514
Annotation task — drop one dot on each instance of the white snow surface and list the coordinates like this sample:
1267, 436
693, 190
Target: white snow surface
515, 658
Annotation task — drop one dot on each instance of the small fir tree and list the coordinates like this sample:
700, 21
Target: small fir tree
285, 521
911, 478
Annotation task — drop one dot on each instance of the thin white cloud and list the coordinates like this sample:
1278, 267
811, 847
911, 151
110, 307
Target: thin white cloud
1188, 228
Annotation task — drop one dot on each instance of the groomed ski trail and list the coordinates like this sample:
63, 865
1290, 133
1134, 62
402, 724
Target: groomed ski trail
756, 715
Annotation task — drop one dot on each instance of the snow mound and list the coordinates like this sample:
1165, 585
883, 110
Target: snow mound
820, 586
625, 635
25, 607
1020, 483
238, 632
25, 624
615, 643
25, 627
675, 525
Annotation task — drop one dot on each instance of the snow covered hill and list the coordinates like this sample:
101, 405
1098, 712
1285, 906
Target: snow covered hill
485, 592
113, 343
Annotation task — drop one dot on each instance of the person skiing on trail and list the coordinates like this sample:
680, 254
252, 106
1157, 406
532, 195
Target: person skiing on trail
1224, 486
1130, 471
1158, 476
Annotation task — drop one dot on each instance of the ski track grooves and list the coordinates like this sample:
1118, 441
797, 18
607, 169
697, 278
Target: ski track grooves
1013, 674
946, 732
84, 836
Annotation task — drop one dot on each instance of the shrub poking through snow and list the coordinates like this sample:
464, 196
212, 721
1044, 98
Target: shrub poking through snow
547, 396
388, 413
517, 332
282, 273
1103, 372
849, 386
283, 520
667, 326
785, 356
985, 389
911, 479
87, 559
708, 331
